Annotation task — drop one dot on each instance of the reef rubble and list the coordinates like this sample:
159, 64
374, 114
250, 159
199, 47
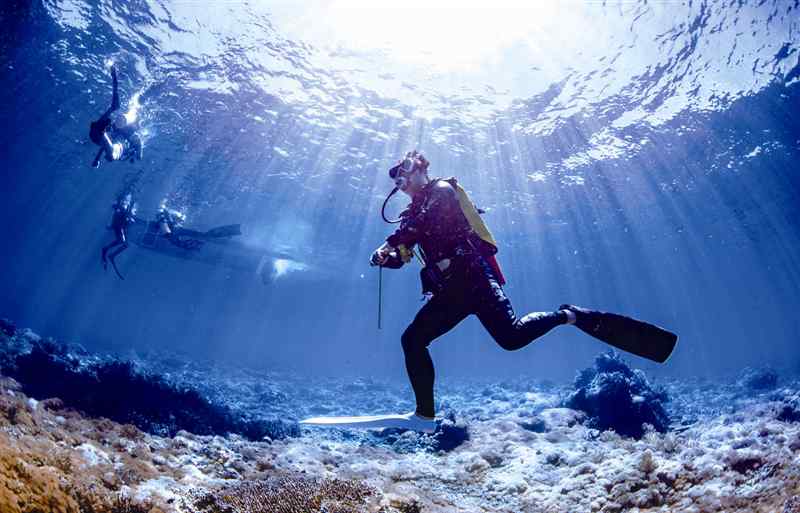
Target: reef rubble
515, 448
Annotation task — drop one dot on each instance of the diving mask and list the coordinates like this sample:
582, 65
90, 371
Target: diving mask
404, 168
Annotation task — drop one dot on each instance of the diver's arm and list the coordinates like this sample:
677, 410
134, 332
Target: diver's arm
391, 257
393, 261
407, 232
441, 202
108, 144
96, 161
386, 256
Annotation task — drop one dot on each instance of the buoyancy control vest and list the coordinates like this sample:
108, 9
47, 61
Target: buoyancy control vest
479, 241
478, 226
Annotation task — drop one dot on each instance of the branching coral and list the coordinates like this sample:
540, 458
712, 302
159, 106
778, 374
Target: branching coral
30, 488
289, 495
33, 480
41, 469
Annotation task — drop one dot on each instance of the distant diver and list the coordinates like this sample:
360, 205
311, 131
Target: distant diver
170, 222
124, 214
461, 277
118, 138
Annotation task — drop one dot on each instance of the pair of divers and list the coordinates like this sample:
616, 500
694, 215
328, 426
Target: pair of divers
168, 225
461, 277
118, 137
166, 235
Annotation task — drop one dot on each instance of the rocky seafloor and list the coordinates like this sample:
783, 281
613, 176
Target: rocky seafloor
81, 432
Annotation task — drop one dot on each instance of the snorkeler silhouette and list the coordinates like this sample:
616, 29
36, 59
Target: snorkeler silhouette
117, 138
123, 216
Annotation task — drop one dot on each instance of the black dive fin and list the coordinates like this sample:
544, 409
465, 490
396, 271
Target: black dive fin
627, 334
230, 230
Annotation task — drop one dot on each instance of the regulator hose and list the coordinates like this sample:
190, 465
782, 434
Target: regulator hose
383, 208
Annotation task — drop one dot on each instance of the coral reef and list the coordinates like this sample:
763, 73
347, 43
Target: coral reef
449, 434
616, 397
789, 408
295, 494
95, 387
54, 459
511, 447
41, 471
759, 380
7, 327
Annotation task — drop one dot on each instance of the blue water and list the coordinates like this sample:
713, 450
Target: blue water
637, 157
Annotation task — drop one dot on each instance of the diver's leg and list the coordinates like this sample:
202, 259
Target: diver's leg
438, 316
114, 94
122, 240
114, 255
115, 89
104, 253
187, 244
497, 315
96, 161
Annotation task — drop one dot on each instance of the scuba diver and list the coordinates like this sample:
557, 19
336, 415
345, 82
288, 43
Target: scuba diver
461, 277
118, 139
124, 215
169, 223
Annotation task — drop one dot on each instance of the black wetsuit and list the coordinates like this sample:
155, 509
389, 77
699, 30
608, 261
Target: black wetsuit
104, 132
120, 220
435, 222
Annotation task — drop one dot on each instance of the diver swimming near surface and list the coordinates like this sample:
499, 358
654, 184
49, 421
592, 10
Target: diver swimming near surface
461, 277
123, 216
117, 138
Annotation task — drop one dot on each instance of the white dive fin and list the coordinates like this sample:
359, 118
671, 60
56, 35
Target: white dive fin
410, 421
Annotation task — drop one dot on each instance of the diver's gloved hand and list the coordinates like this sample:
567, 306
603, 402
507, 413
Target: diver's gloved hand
380, 255
116, 151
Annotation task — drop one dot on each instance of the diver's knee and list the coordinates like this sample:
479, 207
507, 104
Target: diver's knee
508, 346
410, 342
407, 341
508, 340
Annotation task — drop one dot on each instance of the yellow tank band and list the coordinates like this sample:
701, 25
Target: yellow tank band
471, 213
